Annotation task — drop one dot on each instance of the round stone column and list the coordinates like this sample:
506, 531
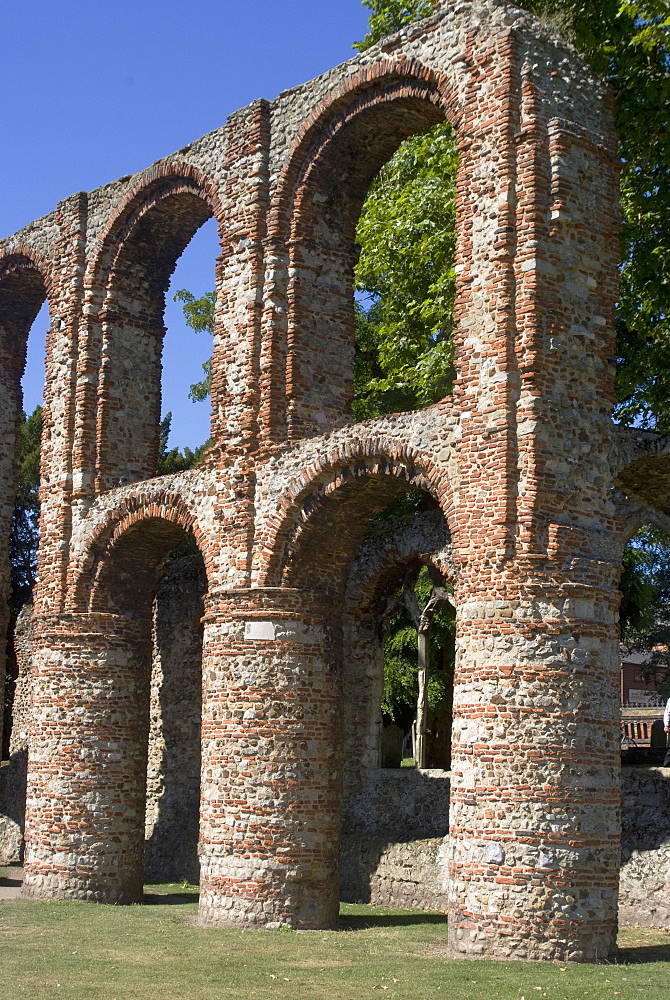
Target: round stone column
87, 759
271, 784
535, 800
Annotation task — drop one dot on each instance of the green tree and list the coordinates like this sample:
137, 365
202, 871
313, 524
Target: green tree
645, 605
419, 661
171, 460
405, 278
24, 535
627, 42
199, 315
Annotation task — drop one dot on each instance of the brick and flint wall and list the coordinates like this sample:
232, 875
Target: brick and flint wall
518, 464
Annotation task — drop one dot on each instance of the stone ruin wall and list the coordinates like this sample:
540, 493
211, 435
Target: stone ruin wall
394, 848
536, 489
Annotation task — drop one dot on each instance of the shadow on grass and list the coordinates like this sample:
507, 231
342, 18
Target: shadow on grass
10, 883
643, 953
169, 898
370, 920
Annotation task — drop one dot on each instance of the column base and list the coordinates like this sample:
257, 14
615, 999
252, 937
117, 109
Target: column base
53, 884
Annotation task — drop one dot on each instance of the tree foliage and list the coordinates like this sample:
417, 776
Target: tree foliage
24, 535
405, 278
171, 460
401, 686
199, 315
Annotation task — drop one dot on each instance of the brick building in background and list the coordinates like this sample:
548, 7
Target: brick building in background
534, 491
641, 705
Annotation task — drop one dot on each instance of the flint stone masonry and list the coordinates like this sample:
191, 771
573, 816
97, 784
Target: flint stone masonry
383, 869
410, 874
535, 488
644, 888
13, 771
173, 768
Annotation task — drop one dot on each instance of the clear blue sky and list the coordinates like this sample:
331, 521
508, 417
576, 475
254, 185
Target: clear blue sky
94, 90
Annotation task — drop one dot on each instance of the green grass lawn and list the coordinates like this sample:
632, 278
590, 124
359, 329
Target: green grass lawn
79, 951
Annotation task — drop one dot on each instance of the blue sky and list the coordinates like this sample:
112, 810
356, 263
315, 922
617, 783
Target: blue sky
94, 90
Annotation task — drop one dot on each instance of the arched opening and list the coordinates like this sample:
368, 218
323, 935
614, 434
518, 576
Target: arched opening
645, 642
142, 254
329, 191
154, 574
364, 537
187, 352
24, 319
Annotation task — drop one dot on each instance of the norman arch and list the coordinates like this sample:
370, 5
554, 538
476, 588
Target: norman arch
355, 486
136, 254
157, 522
338, 151
115, 651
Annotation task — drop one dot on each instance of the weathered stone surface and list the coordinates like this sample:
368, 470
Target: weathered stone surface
518, 464
644, 887
398, 804
13, 771
410, 873
173, 769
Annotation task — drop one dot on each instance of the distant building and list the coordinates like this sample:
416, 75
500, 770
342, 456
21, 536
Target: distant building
636, 692
641, 703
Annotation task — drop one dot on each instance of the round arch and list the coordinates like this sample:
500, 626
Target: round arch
26, 282
641, 516
338, 151
341, 495
372, 86
127, 279
127, 550
422, 540
149, 189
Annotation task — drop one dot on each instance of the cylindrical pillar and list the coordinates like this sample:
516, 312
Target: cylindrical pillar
87, 759
271, 760
535, 811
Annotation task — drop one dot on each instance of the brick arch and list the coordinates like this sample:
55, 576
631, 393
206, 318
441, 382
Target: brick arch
638, 518
422, 540
338, 151
386, 80
26, 281
161, 181
169, 517
21, 258
308, 497
646, 478
130, 271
